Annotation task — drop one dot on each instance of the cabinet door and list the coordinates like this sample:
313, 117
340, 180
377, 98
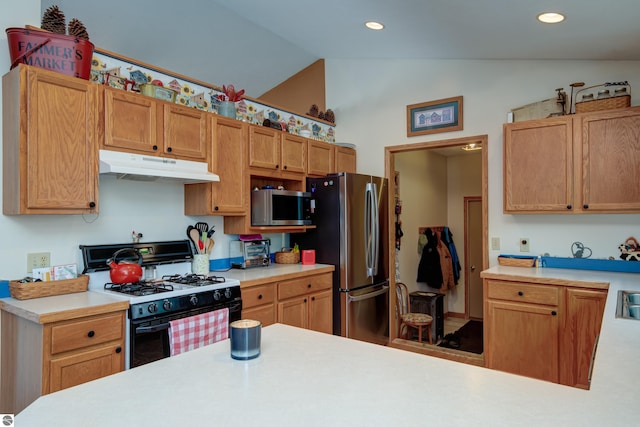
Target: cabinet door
293, 312
610, 143
538, 166
585, 308
61, 144
131, 121
320, 312
264, 148
321, 158
345, 160
294, 153
522, 339
185, 132
78, 368
226, 197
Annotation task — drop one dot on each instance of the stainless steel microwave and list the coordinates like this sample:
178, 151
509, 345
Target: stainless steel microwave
280, 207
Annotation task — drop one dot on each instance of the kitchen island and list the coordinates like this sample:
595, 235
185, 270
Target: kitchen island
306, 378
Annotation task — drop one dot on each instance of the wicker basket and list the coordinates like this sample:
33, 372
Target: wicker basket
287, 257
46, 289
516, 262
603, 104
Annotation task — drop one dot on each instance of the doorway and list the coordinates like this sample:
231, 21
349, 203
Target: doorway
481, 259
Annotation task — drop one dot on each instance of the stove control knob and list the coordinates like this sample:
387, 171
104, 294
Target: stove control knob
227, 293
167, 305
153, 307
193, 300
216, 295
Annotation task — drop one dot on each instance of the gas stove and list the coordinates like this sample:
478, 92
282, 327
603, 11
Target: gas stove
168, 291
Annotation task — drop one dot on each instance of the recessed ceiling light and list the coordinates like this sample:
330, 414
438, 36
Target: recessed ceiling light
551, 17
472, 147
373, 25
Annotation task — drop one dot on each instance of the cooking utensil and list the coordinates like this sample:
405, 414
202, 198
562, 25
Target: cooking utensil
195, 237
210, 244
202, 227
125, 271
211, 231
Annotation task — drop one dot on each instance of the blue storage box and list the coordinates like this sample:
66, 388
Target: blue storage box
592, 264
4, 289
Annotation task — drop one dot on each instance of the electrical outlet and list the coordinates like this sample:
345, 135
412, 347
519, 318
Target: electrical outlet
524, 244
495, 243
38, 260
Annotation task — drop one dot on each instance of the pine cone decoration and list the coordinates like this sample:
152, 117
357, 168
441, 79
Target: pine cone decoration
329, 116
77, 28
313, 111
321, 115
53, 20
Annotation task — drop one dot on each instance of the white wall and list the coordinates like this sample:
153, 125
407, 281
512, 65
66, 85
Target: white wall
369, 98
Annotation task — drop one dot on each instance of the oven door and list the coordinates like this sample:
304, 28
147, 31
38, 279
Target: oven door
149, 338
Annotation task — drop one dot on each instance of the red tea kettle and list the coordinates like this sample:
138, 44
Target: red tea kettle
125, 271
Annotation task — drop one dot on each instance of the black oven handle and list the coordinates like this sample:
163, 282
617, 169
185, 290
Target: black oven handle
152, 329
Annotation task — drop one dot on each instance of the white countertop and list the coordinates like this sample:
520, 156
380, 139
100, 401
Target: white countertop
62, 307
262, 274
308, 378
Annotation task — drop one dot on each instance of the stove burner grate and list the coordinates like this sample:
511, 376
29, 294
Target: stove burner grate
193, 279
139, 288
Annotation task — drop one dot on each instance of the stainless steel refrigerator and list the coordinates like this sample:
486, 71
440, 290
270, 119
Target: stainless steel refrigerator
351, 217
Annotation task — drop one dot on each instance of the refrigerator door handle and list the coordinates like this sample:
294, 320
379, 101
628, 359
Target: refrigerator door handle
375, 225
384, 290
369, 233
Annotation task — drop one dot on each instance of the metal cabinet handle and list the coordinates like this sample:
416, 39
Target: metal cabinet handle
520, 293
91, 334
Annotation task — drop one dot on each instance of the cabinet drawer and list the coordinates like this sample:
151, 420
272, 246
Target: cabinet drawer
258, 295
523, 292
304, 285
86, 332
265, 314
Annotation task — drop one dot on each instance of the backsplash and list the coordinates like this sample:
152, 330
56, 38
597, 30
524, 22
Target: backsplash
121, 74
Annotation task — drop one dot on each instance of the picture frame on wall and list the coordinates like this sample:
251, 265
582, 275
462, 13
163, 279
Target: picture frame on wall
442, 115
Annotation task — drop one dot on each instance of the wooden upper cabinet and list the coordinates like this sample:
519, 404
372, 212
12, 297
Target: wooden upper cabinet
538, 166
610, 151
130, 121
321, 158
142, 124
293, 153
345, 159
573, 164
264, 147
50, 146
185, 132
276, 151
227, 154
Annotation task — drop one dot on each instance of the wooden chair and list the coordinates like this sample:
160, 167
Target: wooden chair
406, 319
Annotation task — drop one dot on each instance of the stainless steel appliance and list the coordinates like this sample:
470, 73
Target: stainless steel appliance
170, 291
280, 207
351, 219
250, 253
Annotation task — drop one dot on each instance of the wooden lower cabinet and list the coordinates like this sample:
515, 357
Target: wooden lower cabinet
542, 331
306, 302
524, 339
580, 335
38, 359
259, 303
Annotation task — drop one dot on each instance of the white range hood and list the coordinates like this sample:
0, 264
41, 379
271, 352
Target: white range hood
139, 167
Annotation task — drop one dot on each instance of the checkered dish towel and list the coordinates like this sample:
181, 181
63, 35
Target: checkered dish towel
196, 331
